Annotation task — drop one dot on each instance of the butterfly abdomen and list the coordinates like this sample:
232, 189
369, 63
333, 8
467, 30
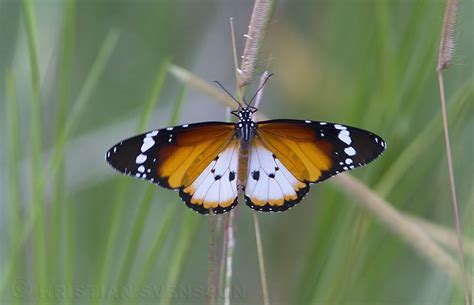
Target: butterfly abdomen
244, 149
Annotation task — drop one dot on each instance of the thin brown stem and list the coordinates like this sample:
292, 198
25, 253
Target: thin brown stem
261, 85
223, 256
446, 54
467, 291
236, 62
211, 285
261, 261
230, 254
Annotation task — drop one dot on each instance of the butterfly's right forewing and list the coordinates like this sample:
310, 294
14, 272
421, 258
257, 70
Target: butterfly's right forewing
183, 158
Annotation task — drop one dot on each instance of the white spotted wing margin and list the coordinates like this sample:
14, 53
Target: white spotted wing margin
272, 187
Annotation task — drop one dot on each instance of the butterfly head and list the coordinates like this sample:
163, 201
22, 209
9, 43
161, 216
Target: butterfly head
245, 113
245, 126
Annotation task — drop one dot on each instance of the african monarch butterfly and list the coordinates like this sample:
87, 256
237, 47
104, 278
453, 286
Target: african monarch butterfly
274, 162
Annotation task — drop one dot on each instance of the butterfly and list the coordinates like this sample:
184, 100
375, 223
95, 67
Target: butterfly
272, 162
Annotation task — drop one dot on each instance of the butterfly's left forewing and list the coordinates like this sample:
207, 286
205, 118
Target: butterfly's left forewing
188, 158
289, 155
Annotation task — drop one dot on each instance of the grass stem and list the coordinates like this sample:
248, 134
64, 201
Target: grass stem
446, 54
261, 260
454, 200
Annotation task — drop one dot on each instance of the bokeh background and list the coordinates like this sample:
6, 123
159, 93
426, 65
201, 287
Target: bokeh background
79, 233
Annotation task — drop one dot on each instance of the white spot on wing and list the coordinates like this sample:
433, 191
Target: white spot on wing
141, 169
152, 133
350, 151
345, 137
148, 143
140, 159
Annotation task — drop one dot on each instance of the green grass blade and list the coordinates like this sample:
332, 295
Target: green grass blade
36, 216
36, 140
14, 153
84, 96
122, 187
143, 209
58, 212
425, 139
13, 126
181, 251
154, 253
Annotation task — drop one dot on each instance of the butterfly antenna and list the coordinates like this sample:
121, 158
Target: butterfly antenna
260, 88
228, 93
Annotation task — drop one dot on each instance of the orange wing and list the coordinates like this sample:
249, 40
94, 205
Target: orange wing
186, 158
289, 155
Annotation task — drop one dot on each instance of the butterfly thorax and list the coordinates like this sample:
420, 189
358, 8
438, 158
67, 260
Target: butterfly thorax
245, 126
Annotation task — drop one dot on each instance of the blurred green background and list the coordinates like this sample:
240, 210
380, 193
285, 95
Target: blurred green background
75, 232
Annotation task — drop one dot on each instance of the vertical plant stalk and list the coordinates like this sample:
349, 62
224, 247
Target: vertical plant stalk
454, 200
259, 20
36, 140
229, 238
225, 275
261, 86
229, 257
220, 284
257, 27
258, 24
258, 239
211, 277
446, 54
261, 261
236, 62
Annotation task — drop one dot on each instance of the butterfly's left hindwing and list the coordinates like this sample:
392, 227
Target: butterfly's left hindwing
288, 155
179, 158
